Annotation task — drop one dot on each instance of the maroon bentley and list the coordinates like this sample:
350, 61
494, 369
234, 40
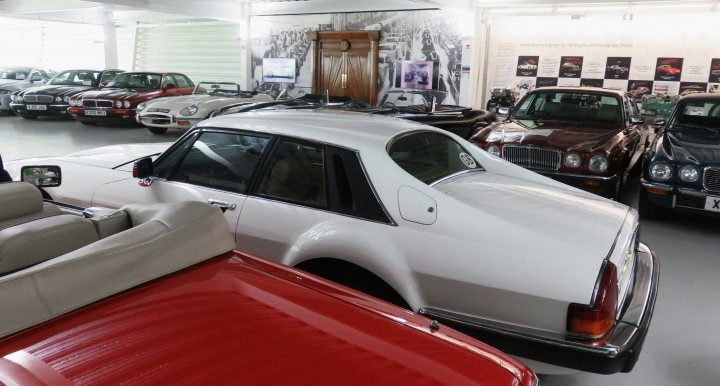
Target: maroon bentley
590, 138
116, 102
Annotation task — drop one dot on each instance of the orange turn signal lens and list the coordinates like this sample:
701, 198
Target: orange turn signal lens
660, 192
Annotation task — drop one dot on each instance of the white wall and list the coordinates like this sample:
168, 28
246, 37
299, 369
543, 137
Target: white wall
51, 45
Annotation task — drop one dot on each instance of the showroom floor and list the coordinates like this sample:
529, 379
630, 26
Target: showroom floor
682, 345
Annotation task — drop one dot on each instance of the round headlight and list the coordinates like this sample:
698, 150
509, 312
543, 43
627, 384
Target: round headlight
494, 150
573, 160
660, 171
597, 164
141, 106
689, 173
118, 104
126, 104
58, 99
66, 98
72, 102
190, 110
12, 97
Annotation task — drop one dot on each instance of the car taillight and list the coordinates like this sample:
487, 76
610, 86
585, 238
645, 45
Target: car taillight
597, 319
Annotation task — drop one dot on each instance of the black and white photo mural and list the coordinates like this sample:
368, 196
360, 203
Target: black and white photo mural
430, 35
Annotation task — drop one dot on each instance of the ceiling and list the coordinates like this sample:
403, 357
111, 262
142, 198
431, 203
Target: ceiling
153, 11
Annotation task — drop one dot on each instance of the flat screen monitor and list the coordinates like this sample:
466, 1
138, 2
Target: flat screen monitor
278, 70
417, 74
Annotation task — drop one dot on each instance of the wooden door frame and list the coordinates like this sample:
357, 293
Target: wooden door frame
372, 36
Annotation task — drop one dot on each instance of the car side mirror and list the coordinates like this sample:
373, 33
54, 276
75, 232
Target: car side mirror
43, 176
143, 168
659, 124
170, 86
636, 120
503, 111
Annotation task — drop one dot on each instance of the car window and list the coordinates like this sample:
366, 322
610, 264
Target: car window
572, 106
182, 81
349, 189
223, 161
430, 156
108, 76
296, 173
134, 80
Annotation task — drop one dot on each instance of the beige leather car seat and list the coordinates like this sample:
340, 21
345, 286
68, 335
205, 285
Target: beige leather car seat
21, 202
35, 241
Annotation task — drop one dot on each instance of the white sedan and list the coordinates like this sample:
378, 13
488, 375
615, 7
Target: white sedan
182, 112
411, 214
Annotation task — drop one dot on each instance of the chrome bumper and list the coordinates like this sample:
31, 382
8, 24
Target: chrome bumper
618, 353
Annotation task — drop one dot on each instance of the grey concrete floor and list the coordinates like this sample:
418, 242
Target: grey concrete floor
683, 345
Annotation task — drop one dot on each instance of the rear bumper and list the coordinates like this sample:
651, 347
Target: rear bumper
679, 199
617, 353
600, 185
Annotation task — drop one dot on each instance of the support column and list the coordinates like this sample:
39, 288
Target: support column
479, 68
111, 51
246, 79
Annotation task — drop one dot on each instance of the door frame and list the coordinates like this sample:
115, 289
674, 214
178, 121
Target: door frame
338, 36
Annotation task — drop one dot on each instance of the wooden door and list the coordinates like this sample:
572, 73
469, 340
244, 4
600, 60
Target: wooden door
345, 64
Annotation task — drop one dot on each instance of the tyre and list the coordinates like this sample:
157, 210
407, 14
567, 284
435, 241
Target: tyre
647, 209
157, 130
86, 123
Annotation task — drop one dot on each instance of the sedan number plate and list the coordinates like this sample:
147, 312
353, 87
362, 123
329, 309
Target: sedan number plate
712, 204
36, 107
98, 113
158, 110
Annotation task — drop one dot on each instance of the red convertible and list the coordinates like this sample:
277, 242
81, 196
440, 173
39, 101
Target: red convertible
117, 102
155, 295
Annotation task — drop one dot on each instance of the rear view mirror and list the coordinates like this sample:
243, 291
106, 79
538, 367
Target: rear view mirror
45, 176
503, 111
143, 168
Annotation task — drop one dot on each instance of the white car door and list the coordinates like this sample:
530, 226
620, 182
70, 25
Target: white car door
307, 192
213, 167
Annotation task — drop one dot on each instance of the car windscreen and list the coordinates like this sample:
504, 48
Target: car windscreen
697, 120
76, 78
430, 156
218, 89
570, 106
134, 80
14, 73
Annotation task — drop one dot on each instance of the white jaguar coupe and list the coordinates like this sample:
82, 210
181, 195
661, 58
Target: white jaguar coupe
411, 214
182, 112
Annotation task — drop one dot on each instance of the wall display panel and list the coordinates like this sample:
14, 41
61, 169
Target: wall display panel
631, 54
527, 65
687, 88
423, 36
592, 82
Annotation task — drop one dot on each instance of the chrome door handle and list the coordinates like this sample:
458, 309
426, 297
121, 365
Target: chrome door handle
224, 205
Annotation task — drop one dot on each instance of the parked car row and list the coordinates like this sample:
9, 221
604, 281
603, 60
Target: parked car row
594, 139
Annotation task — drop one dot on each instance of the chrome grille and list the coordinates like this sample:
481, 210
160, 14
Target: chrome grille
711, 180
532, 157
38, 98
96, 103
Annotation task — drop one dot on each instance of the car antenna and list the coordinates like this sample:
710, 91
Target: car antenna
327, 96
